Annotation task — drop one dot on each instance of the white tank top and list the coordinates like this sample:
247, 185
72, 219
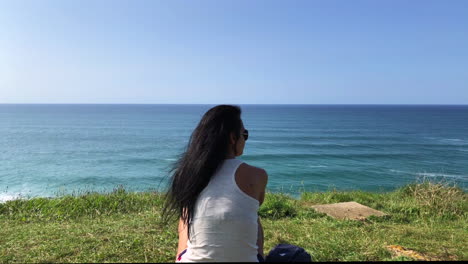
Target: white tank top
224, 227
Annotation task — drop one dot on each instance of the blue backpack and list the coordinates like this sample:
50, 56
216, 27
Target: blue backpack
288, 253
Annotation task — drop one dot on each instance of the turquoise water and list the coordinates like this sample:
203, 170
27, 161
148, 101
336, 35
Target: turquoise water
55, 149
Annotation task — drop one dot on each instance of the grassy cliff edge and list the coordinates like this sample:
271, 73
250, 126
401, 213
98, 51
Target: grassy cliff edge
430, 218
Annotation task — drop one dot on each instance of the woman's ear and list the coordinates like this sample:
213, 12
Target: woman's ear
232, 139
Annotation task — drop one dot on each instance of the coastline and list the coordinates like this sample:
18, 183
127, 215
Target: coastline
429, 218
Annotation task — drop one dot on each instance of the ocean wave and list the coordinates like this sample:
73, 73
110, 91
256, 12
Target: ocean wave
332, 137
305, 156
450, 141
113, 181
262, 141
291, 144
317, 166
358, 146
432, 174
133, 159
429, 174
455, 141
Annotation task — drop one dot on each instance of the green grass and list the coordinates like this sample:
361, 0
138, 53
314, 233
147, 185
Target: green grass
428, 217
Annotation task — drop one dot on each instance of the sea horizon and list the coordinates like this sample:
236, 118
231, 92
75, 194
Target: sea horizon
285, 104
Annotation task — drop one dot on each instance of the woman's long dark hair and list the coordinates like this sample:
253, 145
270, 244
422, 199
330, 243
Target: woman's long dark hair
207, 148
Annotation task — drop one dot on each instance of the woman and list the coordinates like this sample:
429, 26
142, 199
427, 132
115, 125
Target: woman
215, 195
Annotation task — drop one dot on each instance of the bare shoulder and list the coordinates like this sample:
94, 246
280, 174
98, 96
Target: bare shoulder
252, 181
253, 172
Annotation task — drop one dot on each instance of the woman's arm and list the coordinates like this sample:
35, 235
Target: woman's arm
253, 181
260, 239
182, 237
261, 198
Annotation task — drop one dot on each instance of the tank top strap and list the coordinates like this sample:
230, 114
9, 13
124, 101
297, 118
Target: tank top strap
229, 180
228, 170
233, 164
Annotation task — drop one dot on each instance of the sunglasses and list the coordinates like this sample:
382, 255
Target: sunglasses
245, 134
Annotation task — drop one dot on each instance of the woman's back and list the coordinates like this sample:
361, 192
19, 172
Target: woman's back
224, 227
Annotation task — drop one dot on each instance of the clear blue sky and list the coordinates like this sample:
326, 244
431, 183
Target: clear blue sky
242, 52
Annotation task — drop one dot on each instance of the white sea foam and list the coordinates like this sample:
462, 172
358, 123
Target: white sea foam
4, 197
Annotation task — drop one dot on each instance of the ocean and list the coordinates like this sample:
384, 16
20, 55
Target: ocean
50, 150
